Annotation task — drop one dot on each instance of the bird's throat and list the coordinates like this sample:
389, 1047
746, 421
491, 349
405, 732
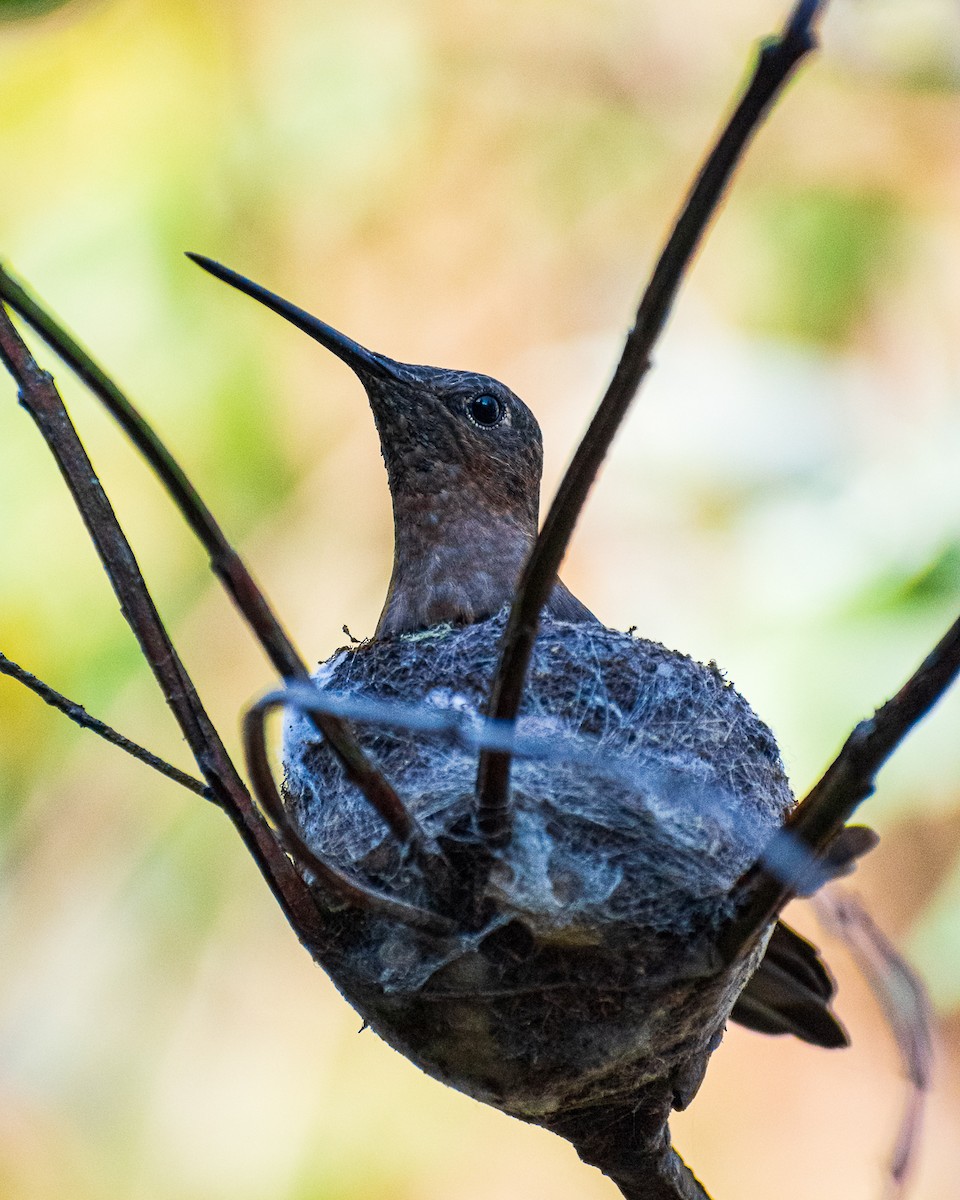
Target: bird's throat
451, 568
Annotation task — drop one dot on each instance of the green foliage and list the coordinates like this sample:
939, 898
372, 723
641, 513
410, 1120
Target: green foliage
23, 10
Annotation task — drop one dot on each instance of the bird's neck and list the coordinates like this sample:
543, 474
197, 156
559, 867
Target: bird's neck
454, 560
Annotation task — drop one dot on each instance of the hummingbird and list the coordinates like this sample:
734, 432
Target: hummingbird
464, 457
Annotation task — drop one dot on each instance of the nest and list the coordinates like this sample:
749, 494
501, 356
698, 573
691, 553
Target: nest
584, 970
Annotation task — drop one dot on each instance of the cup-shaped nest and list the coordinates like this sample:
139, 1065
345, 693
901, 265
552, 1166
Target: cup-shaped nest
583, 964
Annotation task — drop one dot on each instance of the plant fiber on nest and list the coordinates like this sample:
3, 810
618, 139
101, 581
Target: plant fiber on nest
586, 969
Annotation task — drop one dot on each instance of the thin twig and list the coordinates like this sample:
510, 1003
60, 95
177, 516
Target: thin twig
905, 1004
826, 808
79, 715
226, 563
335, 880
644, 776
40, 398
776, 62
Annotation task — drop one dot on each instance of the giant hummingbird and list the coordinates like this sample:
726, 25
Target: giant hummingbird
464, 457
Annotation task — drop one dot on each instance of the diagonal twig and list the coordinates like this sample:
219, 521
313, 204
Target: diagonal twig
40, 398
847, 782
79, 715
361, 895
226, 563
776, 62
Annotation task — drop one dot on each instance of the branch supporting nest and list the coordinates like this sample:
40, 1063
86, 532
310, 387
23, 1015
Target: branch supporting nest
785, 868
40, 398
307, 701
225, 562
777, 60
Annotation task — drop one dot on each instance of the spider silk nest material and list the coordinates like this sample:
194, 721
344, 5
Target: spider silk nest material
585, 969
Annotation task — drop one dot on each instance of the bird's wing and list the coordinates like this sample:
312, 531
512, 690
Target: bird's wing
790, 992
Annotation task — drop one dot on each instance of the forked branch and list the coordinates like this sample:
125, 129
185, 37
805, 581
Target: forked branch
776, 62
40, 398
79, 715
226, 563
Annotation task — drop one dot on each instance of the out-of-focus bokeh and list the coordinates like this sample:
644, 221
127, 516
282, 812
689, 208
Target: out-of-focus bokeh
480, 185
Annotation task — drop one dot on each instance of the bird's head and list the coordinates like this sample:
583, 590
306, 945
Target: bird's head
450, 439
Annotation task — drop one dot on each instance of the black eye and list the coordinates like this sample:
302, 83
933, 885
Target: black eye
485, 410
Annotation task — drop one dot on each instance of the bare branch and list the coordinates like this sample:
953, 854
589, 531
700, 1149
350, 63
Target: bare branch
79, 715
776, 62
40, 398
629, 1141
848, 781
226, 563
327, 875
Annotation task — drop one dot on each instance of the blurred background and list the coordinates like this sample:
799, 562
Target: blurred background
481, 185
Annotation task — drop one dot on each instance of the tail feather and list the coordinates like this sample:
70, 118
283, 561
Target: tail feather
790, 992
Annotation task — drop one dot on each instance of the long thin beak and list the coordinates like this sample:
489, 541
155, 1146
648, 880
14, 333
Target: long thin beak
364, 362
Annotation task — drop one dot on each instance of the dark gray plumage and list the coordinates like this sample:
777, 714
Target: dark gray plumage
580, 988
